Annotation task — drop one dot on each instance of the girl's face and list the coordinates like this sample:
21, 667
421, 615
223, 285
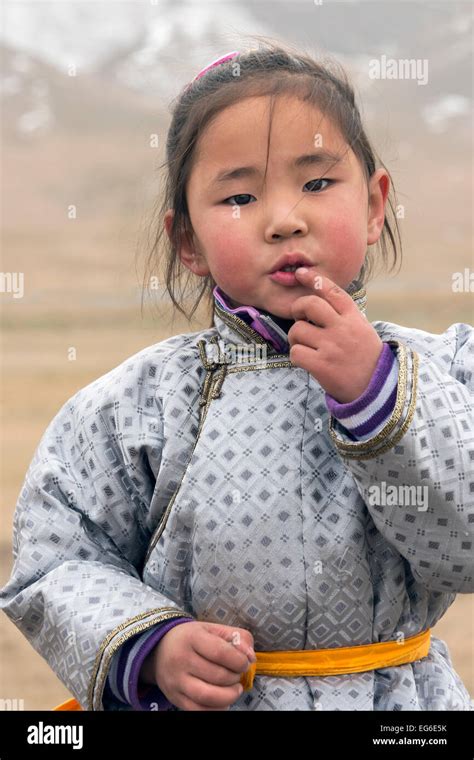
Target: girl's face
242, 227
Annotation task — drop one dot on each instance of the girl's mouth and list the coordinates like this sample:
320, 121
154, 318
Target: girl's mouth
285, 277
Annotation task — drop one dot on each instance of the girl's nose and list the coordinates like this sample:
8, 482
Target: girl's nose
285, 225
276, 236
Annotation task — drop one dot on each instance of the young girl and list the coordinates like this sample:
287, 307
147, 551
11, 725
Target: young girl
271, 513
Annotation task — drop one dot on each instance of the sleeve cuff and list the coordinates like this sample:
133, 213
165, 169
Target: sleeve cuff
123, 678
368, 413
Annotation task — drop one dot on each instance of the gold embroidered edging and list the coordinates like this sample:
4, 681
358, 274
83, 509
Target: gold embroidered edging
365, 449
256, 367
163, 615
241, 327
410, 412
359, 295
245, 331
395, 417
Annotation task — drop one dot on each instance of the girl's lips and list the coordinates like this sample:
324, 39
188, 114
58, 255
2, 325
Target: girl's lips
284, 278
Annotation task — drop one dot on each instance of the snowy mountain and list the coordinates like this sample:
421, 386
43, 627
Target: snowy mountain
146, 46
156, 45
98, 76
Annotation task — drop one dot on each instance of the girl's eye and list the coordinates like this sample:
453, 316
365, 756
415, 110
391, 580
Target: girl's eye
236, 200
314, 182
239, 196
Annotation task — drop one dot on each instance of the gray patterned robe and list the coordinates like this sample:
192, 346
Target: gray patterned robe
203, 476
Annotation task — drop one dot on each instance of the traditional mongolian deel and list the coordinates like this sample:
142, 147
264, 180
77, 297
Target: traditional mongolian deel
205, 478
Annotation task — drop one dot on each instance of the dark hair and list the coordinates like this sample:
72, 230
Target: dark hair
273, 69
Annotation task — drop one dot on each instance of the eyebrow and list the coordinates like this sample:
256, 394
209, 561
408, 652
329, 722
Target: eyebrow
321, 158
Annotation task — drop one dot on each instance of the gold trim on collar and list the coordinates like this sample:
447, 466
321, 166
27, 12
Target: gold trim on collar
245, 331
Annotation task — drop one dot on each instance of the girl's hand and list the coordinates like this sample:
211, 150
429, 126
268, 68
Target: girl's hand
198, 665
341, 349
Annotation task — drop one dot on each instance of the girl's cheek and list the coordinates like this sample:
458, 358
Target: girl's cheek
230, 249
346, 238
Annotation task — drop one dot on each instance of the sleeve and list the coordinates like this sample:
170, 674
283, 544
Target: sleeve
123, 680
81, 529
416, 473
366, 415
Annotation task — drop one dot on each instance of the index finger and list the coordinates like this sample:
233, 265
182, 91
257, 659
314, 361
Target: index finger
221, 652
322, 286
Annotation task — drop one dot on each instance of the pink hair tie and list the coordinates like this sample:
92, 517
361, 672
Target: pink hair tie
217, 62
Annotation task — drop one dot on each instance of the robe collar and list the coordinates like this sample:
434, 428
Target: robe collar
249, 324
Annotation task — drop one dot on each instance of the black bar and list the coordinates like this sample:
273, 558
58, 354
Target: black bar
132, 734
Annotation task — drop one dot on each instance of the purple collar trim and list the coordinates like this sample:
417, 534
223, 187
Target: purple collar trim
266, 326
254, 319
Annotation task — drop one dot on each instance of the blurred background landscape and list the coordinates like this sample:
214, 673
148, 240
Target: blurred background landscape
84, 86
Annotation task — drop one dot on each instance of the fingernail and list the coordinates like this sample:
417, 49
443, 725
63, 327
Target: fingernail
251, 655
301, 270
241, 689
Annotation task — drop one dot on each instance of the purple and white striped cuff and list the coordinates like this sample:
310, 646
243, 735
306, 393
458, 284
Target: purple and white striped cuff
123, 678
366, 415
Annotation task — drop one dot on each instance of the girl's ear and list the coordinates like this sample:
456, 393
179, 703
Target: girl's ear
168, 221
379, 185
187, 250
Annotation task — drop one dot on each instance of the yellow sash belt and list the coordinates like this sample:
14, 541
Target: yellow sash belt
326, 662
69, 704
337, 661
